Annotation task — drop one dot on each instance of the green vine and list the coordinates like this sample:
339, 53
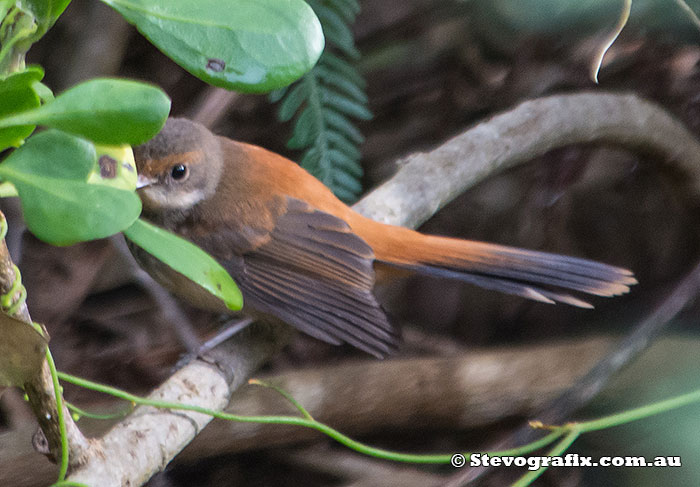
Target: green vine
562, 436
58, 391
326, 101
306, 420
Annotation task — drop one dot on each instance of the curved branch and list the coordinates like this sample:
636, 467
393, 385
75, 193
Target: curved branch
425, 182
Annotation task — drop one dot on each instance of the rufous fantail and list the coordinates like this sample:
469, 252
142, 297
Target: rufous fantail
302, 256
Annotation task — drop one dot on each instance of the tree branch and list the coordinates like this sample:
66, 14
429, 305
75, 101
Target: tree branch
425, 182
39, 389
467, 390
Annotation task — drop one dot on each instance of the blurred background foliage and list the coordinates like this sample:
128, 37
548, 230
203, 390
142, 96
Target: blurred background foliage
432, 68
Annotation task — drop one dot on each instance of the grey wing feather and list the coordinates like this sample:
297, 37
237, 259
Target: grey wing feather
314, 273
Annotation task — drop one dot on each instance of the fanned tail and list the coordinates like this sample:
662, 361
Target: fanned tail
540, 276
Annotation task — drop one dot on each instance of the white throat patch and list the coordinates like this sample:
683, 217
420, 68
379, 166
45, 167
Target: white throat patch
168, 198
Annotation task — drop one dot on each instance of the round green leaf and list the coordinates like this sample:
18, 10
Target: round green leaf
17, 94
187, 259
106, 111
60, 206
248, 45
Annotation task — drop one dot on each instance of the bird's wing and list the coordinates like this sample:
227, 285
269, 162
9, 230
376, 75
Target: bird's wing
314, 273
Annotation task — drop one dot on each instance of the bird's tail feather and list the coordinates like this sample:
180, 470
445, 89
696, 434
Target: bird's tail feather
540, 276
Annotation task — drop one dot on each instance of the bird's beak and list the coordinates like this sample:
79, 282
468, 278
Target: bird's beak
143, 181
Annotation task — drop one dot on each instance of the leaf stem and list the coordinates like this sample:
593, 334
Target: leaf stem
558, 449
639, 413
324, 171
621, 22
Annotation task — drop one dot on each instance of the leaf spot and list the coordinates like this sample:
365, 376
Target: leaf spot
216, 65
128, 166
108, 167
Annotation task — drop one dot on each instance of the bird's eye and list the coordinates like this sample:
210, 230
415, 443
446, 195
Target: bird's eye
179, 172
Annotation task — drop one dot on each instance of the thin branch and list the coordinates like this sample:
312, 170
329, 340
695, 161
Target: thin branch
147, 440
629, 348
39, 389
212, 105
464, 391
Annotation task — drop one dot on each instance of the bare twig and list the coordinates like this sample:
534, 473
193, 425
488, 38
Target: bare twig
627, 350
212, 105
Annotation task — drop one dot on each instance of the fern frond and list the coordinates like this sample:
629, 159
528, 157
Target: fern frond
327, 101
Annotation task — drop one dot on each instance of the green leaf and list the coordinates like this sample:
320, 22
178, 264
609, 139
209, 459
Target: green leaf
18, 30
46, 12
326, 100
345, 11
115, 166
351, 6
276, 95
350, 166
17, 94
311, 162
344, 194
22, 351
343, 84
343, 68
5, 6
8, 190
292, 101
348, 182
249, 45
43, 91
106, 111
347, 106
342, 144
341, 160
50, 173
305, 130
339, 122
187, 259
337, 32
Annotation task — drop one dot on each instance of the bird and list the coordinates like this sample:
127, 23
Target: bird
303, 257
